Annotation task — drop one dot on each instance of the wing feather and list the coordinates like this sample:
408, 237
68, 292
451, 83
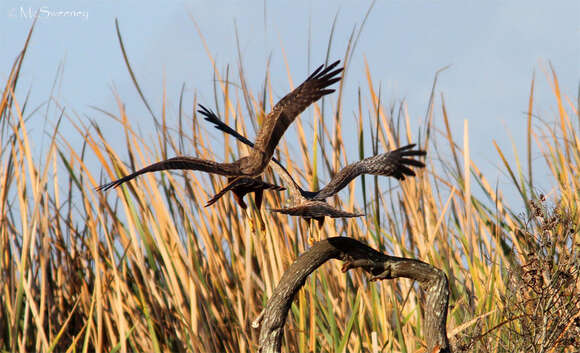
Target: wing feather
387, 164
183, 163
286, 111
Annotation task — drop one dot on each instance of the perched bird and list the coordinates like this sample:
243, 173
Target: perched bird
311, 204
270, 133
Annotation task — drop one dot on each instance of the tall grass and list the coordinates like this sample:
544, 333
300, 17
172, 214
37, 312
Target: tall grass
148, 268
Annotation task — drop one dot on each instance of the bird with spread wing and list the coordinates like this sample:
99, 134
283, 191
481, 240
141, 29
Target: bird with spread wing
312, 204
269, 135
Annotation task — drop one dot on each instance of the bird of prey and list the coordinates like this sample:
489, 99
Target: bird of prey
270, 133
311, 204
305, 207
394, 163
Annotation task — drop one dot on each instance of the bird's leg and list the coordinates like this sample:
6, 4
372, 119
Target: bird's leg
239, 196
258, 196
260, 219
240, 200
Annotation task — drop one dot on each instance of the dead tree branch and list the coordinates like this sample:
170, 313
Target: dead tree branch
380, 266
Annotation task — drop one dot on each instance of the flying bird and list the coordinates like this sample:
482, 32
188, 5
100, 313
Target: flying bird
396, 163
305, 206
269, 135
311, 205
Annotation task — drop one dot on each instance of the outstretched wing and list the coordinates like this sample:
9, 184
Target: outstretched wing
209, 115
286, 111
241, 186
396, 163
295, 190
315, 210
184, 163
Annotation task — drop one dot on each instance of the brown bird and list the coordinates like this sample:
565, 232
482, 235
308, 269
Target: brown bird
391, 163
306, 207
243, 185
311, 204
271, 131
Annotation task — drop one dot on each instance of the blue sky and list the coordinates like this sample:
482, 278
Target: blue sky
493, 47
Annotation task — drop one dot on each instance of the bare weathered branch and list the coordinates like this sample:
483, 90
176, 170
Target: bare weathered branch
380, 266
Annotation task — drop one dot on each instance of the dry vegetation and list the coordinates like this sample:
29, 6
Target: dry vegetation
148, 268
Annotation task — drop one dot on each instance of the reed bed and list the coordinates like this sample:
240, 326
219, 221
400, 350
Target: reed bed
146, 267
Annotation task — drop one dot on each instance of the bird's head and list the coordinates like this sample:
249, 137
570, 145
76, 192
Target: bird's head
252, 166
